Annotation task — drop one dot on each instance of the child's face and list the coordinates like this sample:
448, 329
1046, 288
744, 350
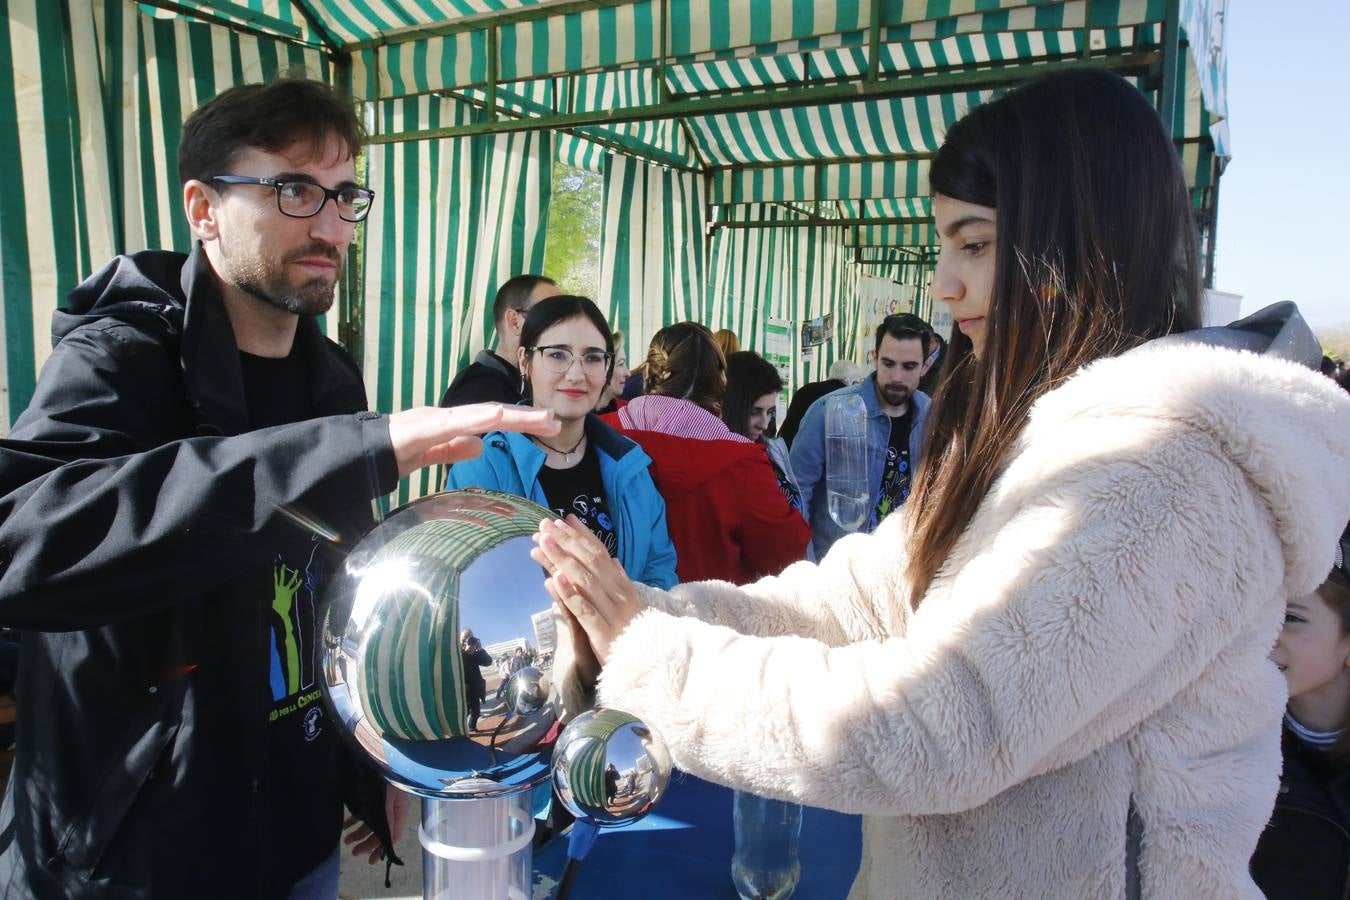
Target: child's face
1313, 651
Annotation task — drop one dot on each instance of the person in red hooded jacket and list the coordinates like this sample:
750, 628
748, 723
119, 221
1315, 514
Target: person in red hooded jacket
726, 515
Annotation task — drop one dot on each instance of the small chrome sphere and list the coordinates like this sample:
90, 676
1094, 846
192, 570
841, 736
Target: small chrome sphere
609, 768
438, 645
527, 691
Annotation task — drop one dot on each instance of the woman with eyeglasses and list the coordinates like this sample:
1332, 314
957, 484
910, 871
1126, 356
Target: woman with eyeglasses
588, 469
1048, 674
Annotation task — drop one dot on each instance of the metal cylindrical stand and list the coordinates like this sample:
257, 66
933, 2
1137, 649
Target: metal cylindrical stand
476, 848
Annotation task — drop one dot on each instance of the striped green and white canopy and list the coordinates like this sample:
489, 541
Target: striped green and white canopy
758, 157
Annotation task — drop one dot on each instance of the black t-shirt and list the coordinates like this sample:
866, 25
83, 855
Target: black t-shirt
895, 477
303, 789
580, 491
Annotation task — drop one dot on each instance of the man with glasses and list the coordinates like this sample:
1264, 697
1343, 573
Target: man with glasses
194, 461
493, 376
896, 414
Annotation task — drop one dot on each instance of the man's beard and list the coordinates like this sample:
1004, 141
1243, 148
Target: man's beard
895, 394
266, 279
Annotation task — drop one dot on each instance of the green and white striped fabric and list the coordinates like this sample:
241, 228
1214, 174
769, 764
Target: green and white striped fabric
782, 273
98, 89
455, 219
652, 250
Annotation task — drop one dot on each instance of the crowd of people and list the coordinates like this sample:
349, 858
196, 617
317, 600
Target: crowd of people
1103, 556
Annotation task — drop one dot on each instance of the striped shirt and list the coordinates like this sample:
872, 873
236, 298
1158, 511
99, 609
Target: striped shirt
1317, 740
674, 416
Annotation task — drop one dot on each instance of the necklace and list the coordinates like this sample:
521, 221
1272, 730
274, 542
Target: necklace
567, 455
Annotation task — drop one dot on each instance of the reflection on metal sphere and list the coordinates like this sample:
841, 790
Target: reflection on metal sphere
527, 691
438, 647
609, 768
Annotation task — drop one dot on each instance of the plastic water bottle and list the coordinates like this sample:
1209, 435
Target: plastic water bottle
846, 489
766, 865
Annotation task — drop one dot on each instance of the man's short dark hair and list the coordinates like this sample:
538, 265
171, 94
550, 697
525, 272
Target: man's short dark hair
266, 117
515, 294
906, 326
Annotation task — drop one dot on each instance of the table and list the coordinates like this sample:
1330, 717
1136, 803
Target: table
682, 849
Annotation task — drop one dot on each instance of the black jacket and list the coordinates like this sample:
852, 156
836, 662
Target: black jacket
136, 511
801, 402
1304, 853
488, 379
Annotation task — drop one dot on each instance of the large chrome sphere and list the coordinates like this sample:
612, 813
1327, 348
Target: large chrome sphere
609, 768
419, 601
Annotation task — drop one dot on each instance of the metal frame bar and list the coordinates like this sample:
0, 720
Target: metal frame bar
641, 150
662, 86
329, 39
253, 16
189, 12
874, 41
778, 99
542, 10
1171, 51
492, 74
1212, 243
819, 161
1086, 49
550, 8
815, 221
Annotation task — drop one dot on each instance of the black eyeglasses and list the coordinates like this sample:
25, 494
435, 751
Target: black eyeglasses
304, 199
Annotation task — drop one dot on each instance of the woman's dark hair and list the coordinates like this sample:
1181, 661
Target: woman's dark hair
1095, 254
267, 117
684, 361
515, 294
904, 327
561, 308
749, 377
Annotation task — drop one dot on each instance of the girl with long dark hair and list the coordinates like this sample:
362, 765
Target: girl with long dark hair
749, 407
1047, 675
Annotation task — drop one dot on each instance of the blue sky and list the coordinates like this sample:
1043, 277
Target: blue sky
1285, 197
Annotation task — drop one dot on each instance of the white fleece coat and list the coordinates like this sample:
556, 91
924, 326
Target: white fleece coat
1100, 632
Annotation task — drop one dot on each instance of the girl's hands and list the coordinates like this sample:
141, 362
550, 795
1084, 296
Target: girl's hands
595, 594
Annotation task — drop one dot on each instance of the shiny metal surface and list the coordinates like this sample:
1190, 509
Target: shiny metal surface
395, 671
609, 768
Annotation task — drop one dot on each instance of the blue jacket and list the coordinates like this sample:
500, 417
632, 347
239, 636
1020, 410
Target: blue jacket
808, 457
511, 461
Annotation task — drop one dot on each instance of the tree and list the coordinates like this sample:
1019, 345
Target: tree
572, 240
1335, 342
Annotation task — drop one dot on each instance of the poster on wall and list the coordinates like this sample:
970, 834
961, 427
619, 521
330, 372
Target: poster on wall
817, 331
877, 299
778, 351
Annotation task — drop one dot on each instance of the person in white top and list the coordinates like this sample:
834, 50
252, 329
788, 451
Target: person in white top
1047, 674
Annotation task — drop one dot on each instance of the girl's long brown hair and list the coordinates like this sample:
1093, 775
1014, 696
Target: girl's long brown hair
1095, 254
684, 361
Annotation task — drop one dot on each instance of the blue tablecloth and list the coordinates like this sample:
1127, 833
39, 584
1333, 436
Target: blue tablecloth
683, 848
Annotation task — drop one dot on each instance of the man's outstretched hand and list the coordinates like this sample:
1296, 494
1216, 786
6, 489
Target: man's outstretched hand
431, 435
363, 841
